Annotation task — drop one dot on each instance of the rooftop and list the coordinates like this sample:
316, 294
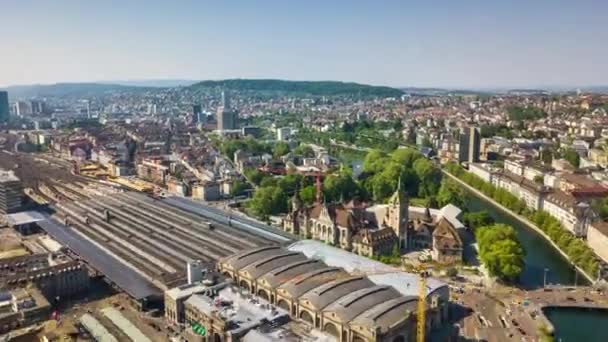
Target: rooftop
24, 217
377, 272
241, 312
185, 291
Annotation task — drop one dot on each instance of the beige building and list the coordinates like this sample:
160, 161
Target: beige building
597, 239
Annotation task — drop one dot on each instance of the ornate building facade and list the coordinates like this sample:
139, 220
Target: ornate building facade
375, 230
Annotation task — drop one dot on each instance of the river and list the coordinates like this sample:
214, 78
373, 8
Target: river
575, 324
540, 255
571, 324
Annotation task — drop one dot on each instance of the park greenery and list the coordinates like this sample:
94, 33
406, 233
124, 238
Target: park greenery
520, 113
577, 250
382, 171
500, 251
477, 219
382, 135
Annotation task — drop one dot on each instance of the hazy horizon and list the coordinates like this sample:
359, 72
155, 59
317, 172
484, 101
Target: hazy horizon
443, 44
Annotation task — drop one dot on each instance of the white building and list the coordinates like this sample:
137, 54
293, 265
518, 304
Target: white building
481, 171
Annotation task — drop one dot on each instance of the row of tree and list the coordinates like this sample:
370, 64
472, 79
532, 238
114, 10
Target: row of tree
576, 249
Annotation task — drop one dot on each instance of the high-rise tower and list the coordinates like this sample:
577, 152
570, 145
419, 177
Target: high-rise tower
4, 109
227, 118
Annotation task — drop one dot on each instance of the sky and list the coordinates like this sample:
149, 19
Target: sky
432, 43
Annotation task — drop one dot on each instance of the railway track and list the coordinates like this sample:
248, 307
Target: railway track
151, 235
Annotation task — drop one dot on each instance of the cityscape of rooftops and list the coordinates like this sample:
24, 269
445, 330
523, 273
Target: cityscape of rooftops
259, 171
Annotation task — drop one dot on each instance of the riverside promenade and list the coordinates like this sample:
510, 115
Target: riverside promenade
520, 219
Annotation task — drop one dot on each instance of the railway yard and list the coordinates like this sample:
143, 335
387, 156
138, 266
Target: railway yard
47, 179
138, 242
154, 237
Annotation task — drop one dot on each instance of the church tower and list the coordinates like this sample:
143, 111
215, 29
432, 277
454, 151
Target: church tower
397, 215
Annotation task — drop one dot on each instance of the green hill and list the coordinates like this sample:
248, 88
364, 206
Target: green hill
69, 89
314, 88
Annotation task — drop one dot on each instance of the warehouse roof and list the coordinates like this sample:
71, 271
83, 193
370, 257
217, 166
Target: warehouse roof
305, 282
328, 293
270, 263
244, 258
379, 273
350, 306
282, 274
385, 315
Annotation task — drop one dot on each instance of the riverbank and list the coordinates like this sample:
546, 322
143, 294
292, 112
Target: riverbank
521, 220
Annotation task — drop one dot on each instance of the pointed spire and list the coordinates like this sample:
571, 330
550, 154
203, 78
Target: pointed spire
427, 214
399, 184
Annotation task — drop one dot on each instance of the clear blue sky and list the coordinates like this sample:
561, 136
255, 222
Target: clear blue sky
451, 43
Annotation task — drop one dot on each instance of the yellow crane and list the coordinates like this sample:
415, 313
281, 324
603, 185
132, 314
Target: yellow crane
421, 314
421, 305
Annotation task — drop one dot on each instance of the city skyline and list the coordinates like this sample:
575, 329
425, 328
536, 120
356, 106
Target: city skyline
438, 44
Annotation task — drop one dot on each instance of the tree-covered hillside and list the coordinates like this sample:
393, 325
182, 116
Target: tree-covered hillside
315, 88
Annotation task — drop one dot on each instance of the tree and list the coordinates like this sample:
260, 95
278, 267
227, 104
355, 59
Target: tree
308, 194
290, 182
477, 219
374, 161
519, 113
268, 201
430, 177
305, 151
500, 251
238, 188
600, 207
381, 188
410, 182
280, 149
572, 157
254, 176
450, 193
546, 156
340, 186
269, 181
405, 157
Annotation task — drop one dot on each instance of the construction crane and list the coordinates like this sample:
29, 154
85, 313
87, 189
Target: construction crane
421, 305
421, 314
318, 185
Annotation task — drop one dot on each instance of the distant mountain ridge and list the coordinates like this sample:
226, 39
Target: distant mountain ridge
259, 86
67, 89
315, 88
